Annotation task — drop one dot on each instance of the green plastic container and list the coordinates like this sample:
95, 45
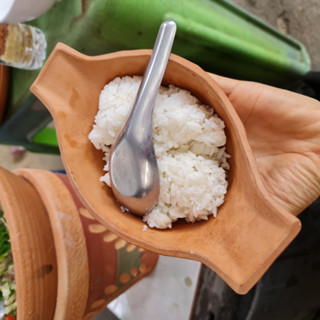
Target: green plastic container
215, 34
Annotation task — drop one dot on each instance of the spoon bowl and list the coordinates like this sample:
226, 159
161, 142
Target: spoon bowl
250, 230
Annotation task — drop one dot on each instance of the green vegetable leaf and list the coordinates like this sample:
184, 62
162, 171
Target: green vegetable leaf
5, 246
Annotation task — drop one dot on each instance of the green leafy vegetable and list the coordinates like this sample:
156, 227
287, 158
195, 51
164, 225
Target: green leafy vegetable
5, 246
7, 279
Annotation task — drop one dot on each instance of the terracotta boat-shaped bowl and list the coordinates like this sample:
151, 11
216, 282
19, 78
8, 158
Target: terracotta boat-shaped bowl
251, 230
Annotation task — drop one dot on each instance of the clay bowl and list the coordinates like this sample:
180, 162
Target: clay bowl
32, 245
94, 265
67, 265
251, 230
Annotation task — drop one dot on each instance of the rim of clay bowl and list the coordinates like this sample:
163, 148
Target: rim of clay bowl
239, 255
32, 247
69, 241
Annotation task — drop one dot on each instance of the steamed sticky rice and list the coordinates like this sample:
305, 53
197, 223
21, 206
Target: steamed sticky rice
189, 142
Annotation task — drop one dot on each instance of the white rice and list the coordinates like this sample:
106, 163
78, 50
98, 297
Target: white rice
189, 142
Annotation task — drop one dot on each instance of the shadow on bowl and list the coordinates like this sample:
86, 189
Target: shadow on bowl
250, 231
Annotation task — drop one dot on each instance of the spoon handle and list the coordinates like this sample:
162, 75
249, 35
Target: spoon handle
141, 114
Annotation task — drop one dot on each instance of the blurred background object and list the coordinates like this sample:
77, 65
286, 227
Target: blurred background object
23, 10
22, 46
297, 18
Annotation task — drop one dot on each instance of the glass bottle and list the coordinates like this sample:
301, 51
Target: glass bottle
22, 46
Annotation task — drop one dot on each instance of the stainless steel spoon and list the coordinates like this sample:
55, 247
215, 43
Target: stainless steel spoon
133, 166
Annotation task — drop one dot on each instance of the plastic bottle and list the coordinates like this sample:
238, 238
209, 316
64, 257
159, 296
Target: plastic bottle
22, 46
